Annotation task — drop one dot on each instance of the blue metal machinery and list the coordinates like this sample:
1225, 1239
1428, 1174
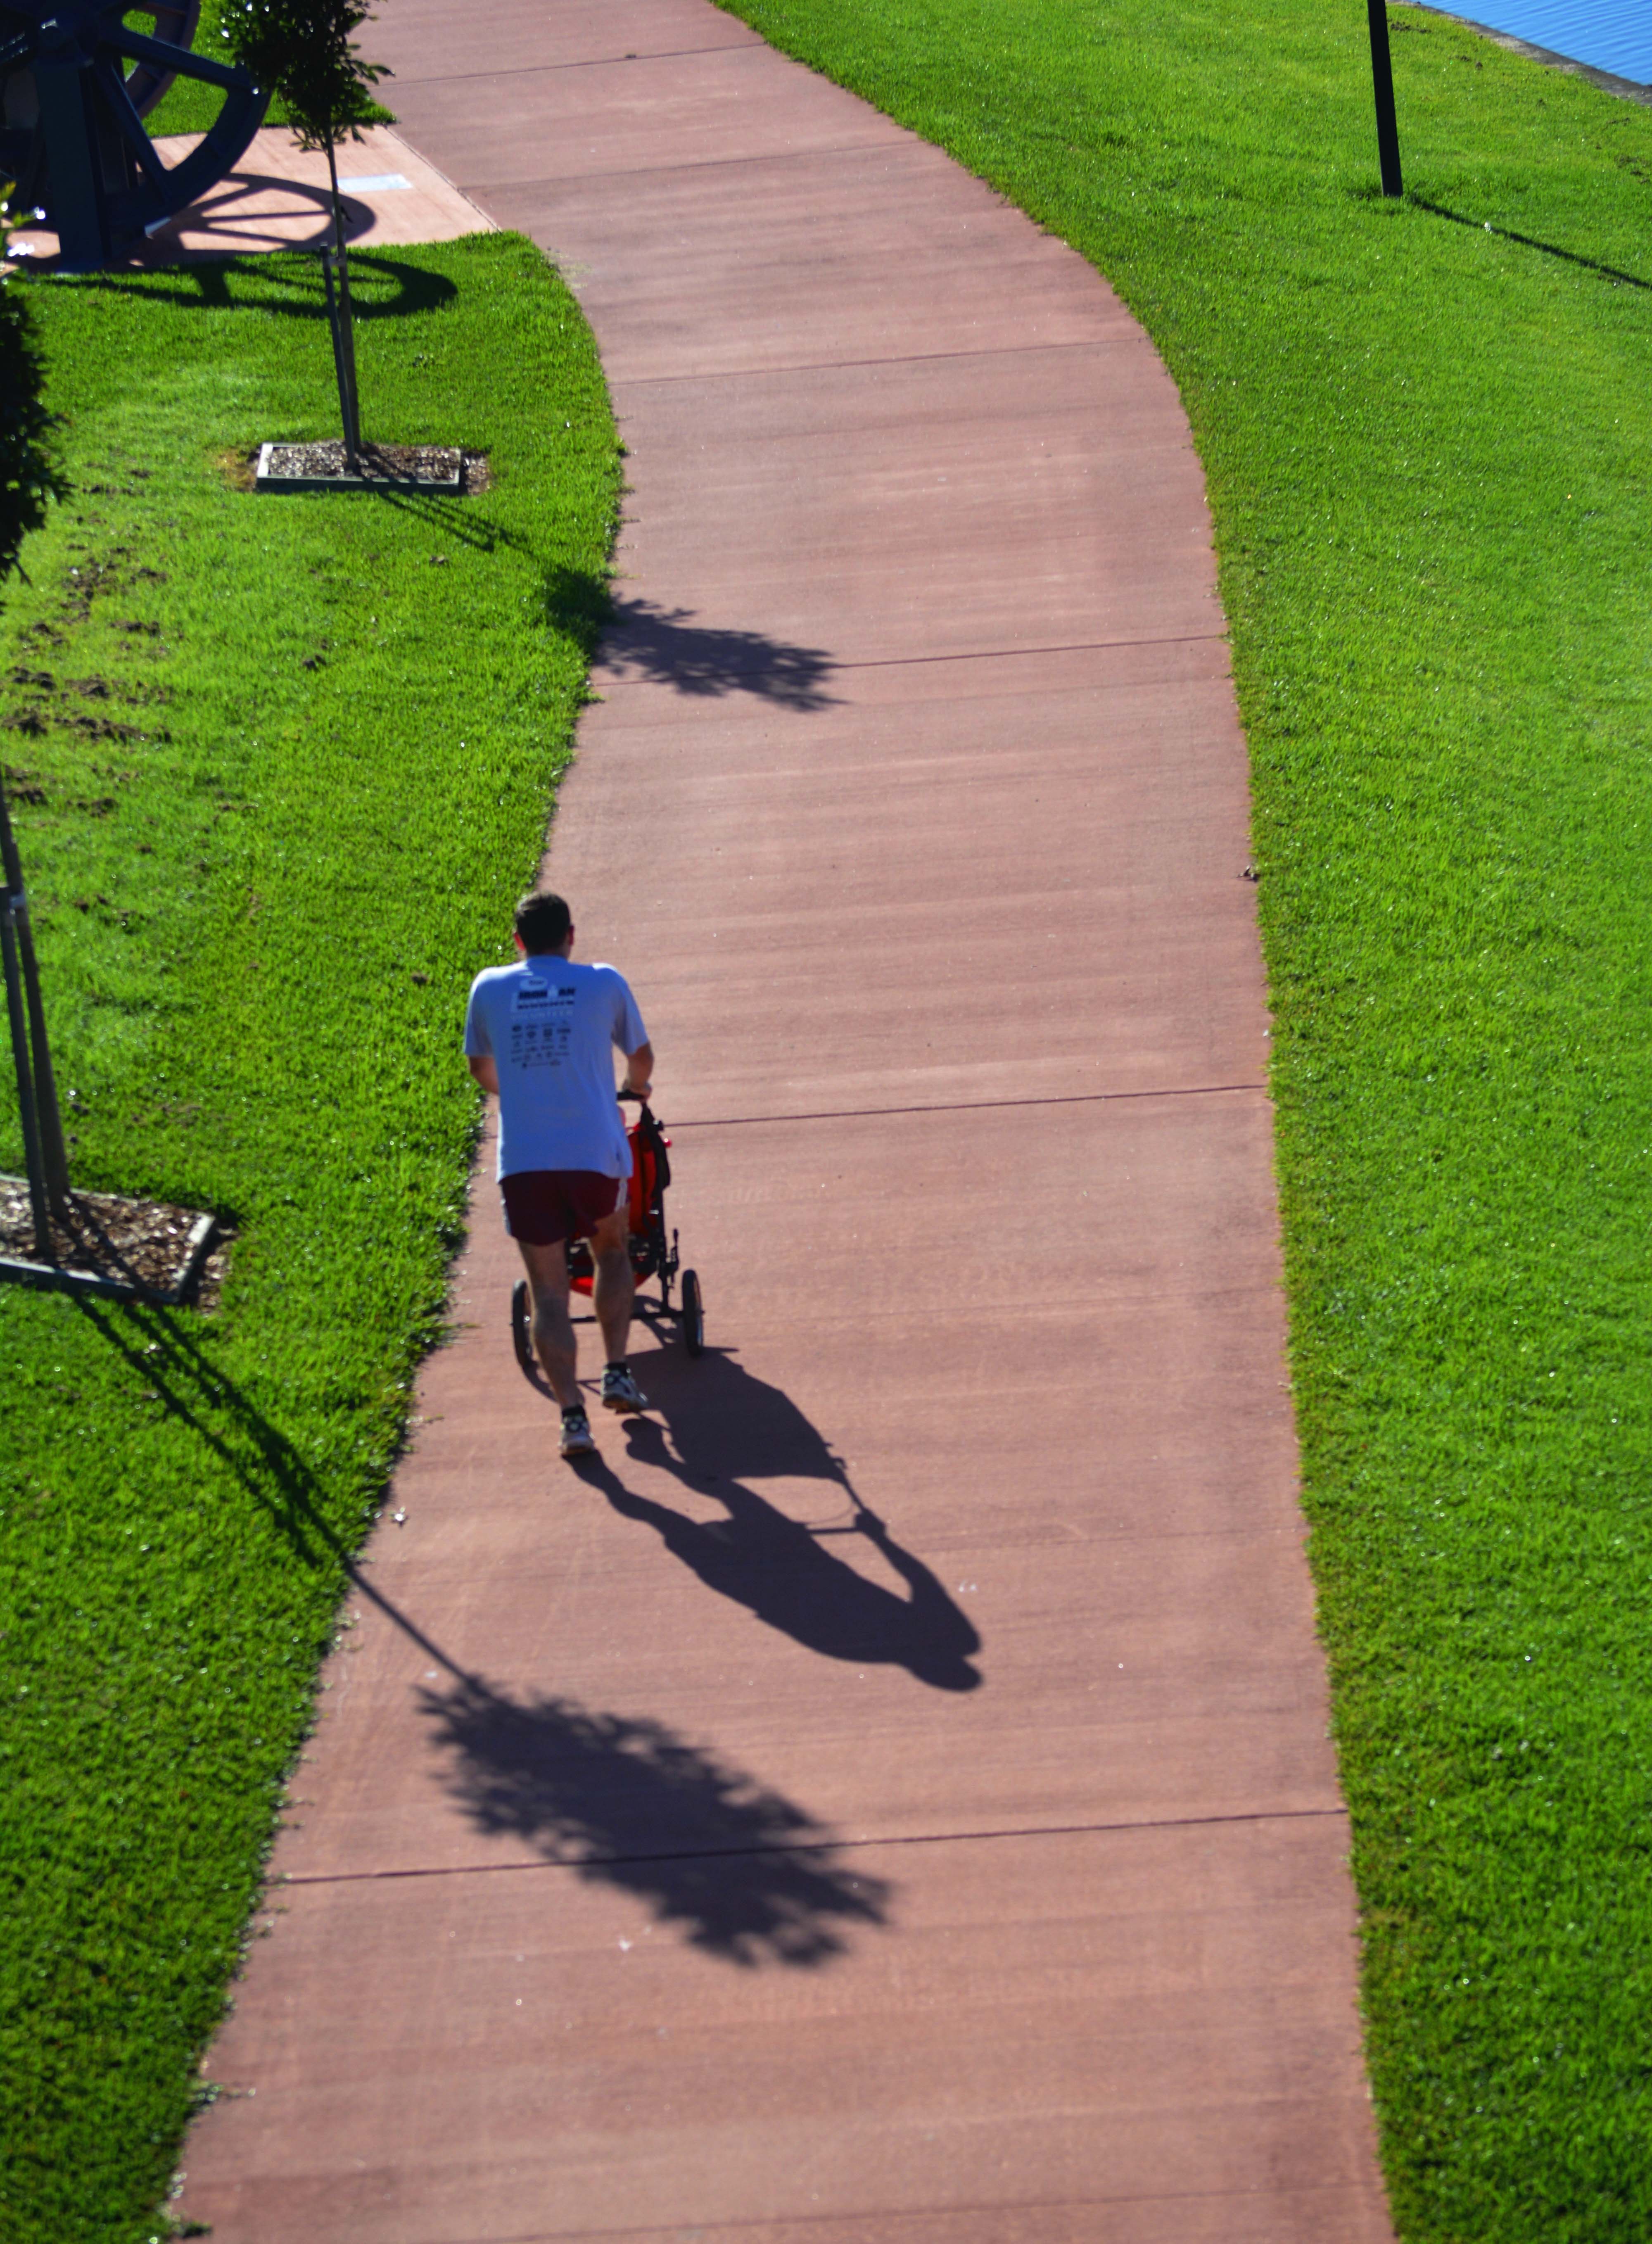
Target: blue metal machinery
76, 84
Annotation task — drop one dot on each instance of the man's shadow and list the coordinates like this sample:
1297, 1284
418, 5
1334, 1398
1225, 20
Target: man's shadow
724, 1427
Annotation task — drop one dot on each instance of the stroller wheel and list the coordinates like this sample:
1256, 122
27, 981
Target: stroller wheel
521, 1335
693, 1315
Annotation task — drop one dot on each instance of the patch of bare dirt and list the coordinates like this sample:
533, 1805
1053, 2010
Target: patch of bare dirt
238, 469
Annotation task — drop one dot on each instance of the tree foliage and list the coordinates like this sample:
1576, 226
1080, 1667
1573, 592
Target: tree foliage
29, 475
303, 50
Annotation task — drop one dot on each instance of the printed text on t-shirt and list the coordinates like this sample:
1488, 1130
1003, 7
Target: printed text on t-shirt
541, 1038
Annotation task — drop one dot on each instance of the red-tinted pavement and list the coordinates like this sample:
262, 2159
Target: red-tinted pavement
685, 1851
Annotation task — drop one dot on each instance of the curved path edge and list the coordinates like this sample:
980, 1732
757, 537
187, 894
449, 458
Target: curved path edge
888, 1796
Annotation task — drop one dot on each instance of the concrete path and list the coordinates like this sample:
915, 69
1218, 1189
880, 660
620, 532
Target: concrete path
685, 1851
278, 197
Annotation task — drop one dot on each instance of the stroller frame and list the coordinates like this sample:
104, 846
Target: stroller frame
653, 1246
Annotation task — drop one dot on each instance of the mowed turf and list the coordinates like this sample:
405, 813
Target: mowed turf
1428, 440
190, 105
280, 767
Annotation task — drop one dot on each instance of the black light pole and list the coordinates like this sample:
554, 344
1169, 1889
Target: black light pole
1382, 78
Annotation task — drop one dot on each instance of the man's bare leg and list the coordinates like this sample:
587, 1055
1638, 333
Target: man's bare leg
554, 1341
614, 1293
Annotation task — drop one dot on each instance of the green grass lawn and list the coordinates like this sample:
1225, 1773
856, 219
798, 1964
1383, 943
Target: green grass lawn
188, 105
1426, 431
280, 767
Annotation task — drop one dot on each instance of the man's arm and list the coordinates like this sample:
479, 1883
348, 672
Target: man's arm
639, 1071
486, 1074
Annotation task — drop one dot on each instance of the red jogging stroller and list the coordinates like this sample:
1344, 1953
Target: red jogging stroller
653, 1248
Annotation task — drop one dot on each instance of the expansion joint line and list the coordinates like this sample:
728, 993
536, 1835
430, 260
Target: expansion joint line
996, 2211
859, 365
591, 61
588, 1862
1029, 653
968, 1106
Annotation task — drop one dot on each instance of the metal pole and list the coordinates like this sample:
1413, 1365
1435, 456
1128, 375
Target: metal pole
1382, 78
26, 1083
343, 329
54, 1153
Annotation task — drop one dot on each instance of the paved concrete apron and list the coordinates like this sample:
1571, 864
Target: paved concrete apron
277, 198
676, 1856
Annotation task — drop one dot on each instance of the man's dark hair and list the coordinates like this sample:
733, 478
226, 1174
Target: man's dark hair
542, 922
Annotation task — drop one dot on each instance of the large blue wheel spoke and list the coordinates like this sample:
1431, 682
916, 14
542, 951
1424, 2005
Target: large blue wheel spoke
182, 61
130, 124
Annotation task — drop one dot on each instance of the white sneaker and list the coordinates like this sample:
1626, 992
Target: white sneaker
577, 1439
620, 1391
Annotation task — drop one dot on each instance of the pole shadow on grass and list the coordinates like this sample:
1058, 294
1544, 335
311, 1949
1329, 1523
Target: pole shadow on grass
742, 1872
1529, 242
723, 1428
454, 517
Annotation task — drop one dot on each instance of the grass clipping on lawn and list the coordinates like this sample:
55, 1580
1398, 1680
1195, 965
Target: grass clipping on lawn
280, 768
1430, 458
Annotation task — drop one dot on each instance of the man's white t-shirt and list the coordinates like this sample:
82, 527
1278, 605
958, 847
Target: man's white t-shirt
550, 1028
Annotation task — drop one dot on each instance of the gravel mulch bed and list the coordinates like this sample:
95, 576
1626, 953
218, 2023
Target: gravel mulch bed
144, 1244
435, 465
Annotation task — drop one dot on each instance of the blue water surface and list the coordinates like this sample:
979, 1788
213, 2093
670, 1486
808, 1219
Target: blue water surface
1608, 35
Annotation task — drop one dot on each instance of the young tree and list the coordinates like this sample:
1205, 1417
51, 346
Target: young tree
29, 477
302, 51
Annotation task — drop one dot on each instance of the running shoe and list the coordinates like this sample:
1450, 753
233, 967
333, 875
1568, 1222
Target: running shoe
577, 1439
620, 1391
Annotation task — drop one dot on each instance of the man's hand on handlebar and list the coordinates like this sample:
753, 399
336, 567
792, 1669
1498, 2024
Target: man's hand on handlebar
639, 1070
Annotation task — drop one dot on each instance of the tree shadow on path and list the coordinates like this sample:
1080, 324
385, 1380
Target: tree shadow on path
745, 1874
664, 647
723, 1428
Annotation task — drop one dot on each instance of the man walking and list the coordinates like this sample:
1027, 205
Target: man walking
540, 1038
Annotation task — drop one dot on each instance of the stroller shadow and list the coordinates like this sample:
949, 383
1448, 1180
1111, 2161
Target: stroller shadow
724, 1427
745, 1874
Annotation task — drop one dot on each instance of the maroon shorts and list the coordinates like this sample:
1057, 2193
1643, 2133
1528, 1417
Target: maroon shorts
544, 1205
